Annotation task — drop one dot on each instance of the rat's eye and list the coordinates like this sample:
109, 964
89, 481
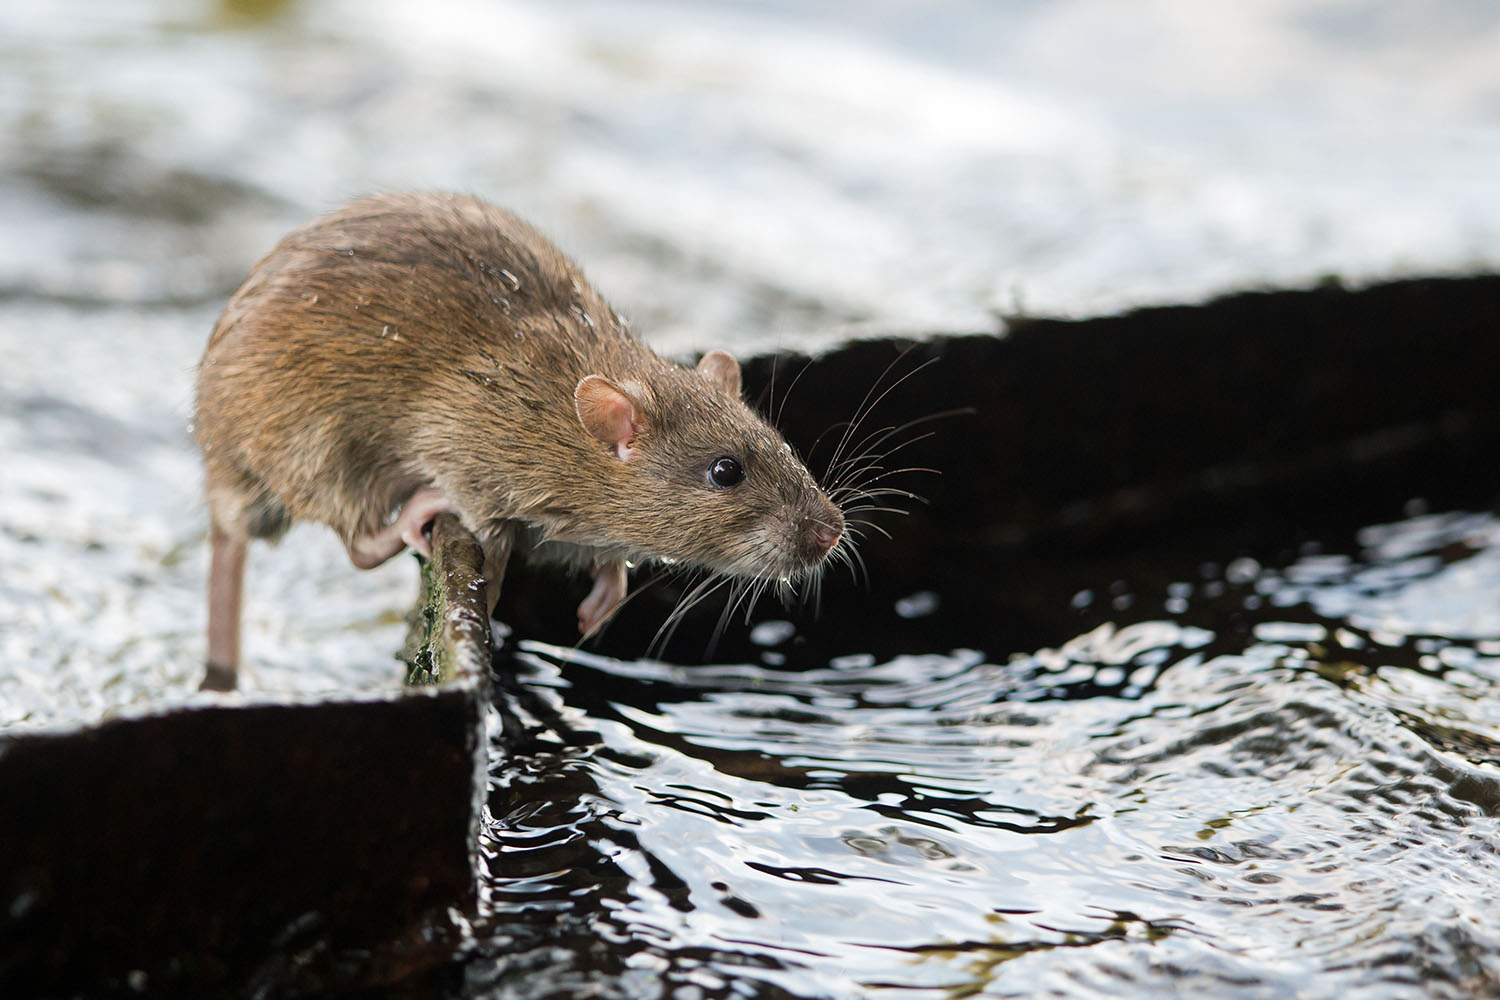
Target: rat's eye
725, 471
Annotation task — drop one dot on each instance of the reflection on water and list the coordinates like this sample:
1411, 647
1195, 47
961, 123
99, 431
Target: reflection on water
1284, 783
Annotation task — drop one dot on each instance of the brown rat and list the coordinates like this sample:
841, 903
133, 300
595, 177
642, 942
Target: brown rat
429, 353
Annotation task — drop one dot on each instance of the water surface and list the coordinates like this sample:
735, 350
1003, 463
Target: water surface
1259, 782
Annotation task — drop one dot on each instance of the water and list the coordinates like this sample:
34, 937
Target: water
1284, 784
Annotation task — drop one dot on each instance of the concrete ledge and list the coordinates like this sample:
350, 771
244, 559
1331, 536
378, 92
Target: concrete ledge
1095, 432
303, 849
192, 852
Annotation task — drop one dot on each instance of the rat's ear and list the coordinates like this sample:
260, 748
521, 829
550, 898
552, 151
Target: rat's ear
609, 413
720, 368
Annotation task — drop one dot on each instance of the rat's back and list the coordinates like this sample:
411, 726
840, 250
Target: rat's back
310, 389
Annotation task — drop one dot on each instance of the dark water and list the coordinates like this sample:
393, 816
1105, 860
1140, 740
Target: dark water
1257, 782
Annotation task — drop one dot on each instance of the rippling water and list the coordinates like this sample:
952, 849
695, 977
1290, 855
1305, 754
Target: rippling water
1261, 781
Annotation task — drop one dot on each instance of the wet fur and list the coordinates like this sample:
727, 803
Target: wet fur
415, 339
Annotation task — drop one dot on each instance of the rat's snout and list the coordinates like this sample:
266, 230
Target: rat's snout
821, 530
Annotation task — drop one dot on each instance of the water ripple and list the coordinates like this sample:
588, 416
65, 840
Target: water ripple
1276, 791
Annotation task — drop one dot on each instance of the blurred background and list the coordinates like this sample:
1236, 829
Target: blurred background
735, 170
736, 174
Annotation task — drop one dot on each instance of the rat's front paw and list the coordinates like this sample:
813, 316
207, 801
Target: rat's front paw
608, 592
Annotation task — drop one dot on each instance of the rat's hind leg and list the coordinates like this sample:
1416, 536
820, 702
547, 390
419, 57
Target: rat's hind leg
236, 514
226, 584
370, 550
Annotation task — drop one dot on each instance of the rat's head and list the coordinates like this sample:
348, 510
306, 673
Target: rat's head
698, 477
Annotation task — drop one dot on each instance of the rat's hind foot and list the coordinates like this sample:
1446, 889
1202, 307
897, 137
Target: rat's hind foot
609, 591
369, 551
218, 678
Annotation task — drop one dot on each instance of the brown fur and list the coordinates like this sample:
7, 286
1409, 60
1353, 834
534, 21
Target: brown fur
424, 339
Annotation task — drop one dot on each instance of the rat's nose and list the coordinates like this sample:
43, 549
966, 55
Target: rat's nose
823, 536
822, 530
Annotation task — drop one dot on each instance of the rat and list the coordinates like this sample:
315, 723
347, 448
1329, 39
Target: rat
414, 354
